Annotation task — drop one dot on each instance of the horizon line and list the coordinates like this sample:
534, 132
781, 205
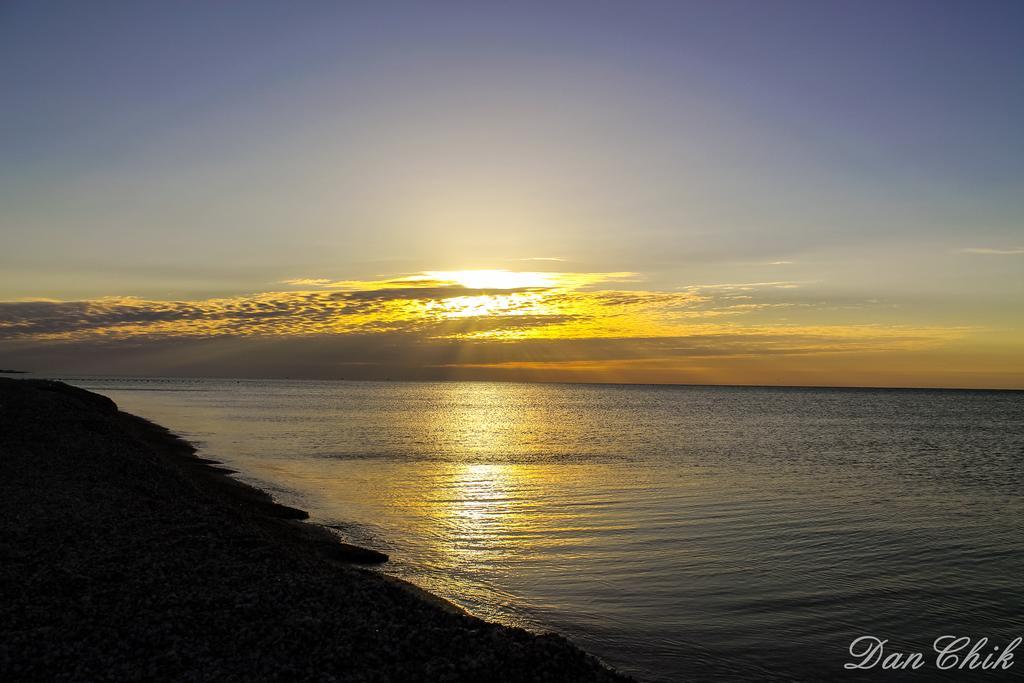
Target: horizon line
58, 377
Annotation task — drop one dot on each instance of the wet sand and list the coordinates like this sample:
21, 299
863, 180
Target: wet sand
123, 556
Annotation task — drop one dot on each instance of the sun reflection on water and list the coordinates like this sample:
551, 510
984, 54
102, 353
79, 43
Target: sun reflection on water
480, 512
480, 502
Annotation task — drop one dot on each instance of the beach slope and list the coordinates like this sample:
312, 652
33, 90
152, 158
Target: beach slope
123, 556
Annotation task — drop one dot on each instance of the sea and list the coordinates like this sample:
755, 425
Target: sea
675, 532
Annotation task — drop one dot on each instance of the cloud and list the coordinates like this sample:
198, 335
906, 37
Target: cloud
1012, 251
413, 355
307, 281
425, 324
497, 279
747, 286
411, 293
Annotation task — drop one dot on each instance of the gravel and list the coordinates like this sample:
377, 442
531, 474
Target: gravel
125, 557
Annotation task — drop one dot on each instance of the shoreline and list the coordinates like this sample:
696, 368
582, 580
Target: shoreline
125, 555
261, 505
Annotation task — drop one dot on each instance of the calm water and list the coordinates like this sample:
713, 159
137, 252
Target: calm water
676, 532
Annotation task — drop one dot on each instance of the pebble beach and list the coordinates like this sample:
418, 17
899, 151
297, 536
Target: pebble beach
124, 556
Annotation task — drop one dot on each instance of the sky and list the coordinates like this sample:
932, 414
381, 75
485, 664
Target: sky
816, 193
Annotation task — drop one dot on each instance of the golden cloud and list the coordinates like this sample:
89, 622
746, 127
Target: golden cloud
471, 308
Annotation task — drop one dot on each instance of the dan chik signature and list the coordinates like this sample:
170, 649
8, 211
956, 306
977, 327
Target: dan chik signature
950, 653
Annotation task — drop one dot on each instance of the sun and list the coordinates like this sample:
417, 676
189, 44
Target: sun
504, 292
495, 279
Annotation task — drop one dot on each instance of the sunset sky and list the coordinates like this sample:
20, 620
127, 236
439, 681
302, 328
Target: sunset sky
823, 193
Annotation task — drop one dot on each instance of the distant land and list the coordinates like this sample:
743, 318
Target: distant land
13, 372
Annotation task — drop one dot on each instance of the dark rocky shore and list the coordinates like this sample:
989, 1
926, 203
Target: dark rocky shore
125, 557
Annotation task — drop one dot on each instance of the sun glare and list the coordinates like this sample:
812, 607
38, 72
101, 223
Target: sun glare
495, 279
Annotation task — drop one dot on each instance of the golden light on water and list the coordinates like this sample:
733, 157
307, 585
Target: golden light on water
481, 510
481, 502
